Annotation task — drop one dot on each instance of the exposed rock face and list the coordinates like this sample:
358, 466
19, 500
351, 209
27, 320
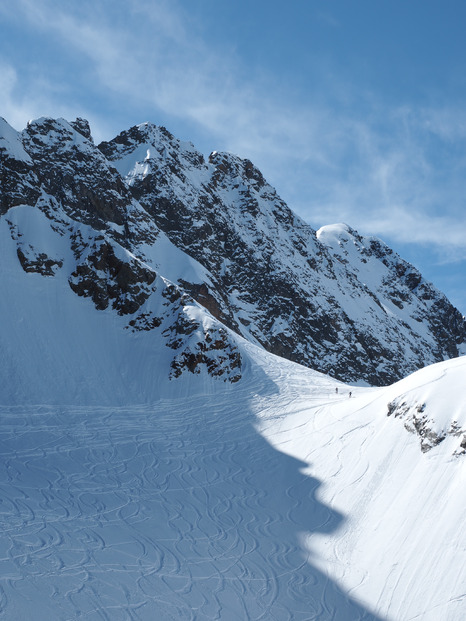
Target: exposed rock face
39, 262
416, 420
107, 278
82, 126
18, 183
70, 214
333, 300
208, 348
68, 167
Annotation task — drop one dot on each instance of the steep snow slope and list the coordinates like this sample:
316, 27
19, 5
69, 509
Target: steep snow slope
402, 547
54, 342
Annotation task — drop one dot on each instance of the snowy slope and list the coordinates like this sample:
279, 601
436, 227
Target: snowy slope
156, 465
402, 545
271, 498
58, 348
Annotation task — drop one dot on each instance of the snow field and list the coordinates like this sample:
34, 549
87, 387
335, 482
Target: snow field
402, 545
274, 498
179, 510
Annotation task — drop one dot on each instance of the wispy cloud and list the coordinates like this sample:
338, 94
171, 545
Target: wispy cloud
19, 103
342, 156
157, 56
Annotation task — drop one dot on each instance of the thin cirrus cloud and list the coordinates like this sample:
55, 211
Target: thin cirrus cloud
341, 155
22, 101
172, 69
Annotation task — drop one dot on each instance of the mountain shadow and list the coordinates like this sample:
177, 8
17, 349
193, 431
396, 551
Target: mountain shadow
178, 510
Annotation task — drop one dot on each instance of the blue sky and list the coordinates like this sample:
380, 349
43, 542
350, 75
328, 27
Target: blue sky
354, 111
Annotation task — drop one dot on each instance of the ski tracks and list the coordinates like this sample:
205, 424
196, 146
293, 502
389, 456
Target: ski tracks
178, 511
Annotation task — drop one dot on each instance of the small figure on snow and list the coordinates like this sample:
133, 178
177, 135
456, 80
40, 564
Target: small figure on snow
350, 395
336, 390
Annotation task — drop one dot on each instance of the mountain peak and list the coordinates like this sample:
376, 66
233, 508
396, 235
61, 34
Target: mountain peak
334, 300
136, 151
82, 126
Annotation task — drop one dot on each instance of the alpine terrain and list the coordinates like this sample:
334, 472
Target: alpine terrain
208, 409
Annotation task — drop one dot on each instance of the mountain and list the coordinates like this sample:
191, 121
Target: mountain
333, 300
76, 237
158, 462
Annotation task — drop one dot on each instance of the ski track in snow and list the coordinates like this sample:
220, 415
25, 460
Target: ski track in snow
180, 510
401, 543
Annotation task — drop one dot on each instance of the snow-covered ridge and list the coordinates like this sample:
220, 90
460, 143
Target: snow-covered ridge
335, 301
423, 401
10, 143
338, 302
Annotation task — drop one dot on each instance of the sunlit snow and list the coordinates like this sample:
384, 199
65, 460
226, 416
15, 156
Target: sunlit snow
275, 498
130, 494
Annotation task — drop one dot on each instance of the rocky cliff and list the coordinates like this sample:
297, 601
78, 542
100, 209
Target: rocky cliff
146, 215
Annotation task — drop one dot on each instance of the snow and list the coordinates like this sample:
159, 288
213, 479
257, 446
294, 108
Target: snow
175, 265
401, 547
136, 163
333, 234
434, 387
129, 496
10, 143
49, 332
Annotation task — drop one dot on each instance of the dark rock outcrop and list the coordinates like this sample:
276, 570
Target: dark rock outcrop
416, 421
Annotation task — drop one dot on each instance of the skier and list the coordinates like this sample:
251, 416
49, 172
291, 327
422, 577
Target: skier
350, 394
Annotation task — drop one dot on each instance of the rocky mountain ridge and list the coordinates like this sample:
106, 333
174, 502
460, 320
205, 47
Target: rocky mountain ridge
146, 211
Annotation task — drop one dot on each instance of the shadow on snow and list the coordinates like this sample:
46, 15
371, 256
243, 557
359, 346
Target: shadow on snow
180, 510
